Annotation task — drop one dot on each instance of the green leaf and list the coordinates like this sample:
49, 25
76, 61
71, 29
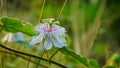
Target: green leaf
107, 66
116, 58
81, 59
15, 25
93, 64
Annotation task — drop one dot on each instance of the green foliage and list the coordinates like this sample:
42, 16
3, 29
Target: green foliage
107, 66
93, 64
115, 60
15, 25
81, 59
89, 63
85, 15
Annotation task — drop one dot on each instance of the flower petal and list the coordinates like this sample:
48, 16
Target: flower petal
57, 43
8, 38
60, 39
36, 39
37, 27
59, 30
19, 36
48, 43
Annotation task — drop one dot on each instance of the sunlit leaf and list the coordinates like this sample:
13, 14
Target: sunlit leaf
15, 25
81, 59
114, 60
107, 66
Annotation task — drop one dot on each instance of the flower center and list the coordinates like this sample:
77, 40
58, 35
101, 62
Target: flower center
48, 28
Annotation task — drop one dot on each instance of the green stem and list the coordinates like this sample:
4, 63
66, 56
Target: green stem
95, 34
41, 10
62, 10
28, 62
40, 59
54, 54
19, 52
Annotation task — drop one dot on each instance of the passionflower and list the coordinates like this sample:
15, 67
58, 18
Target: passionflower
10, 37
49, 33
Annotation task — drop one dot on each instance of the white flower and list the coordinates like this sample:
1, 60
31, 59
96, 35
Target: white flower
10, 37
48, 35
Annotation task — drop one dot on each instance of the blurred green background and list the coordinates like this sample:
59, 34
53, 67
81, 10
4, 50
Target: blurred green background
93, 28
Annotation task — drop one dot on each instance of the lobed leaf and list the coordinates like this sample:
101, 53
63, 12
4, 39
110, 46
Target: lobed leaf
15, 25
81, 59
